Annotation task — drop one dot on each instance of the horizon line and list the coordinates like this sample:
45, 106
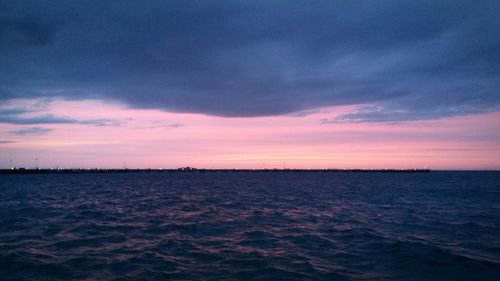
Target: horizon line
14, 170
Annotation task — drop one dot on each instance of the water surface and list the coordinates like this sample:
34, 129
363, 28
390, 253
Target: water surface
250, 226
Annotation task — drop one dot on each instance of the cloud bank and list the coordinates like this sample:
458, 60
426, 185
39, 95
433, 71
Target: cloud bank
406, 60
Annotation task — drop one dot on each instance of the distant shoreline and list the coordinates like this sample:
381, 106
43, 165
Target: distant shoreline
16, 171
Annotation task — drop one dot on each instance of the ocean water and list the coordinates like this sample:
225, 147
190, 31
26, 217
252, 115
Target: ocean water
250, 226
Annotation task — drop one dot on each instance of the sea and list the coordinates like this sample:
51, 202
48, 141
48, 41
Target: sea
442, 225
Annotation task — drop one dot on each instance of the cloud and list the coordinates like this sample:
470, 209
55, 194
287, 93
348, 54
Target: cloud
41, 119
6, 141
52, 119
175, 125
240, 58
395, 114
18, 116
33, 131
101, 122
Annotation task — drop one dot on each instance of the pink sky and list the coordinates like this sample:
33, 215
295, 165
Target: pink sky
158, 139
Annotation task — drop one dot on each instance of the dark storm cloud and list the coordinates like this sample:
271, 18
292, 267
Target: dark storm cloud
34, 131
427, 59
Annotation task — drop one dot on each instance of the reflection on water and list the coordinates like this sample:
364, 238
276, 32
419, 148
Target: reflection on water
288, 226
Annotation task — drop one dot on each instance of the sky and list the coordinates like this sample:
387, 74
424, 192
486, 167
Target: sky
250, 84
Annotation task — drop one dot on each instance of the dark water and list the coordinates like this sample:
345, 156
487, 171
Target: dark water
237, 226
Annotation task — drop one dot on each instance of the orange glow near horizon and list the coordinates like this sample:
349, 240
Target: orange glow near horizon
157, 139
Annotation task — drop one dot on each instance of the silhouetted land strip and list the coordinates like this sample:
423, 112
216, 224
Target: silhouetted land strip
194, 170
